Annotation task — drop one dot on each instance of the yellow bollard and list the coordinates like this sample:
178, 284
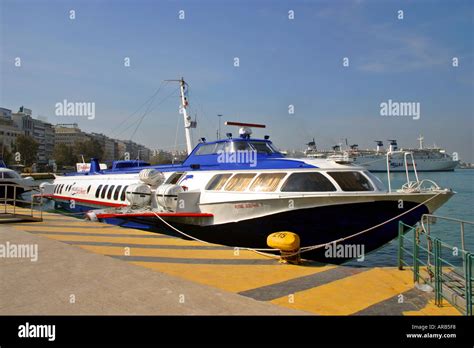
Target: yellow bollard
289, 245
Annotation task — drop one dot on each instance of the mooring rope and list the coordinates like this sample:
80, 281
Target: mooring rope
203, 241
307, 248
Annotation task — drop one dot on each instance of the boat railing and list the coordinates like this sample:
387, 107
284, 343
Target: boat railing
405, 162
441, 266
18, 209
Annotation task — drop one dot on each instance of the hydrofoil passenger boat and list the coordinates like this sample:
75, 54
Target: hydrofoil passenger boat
237, 191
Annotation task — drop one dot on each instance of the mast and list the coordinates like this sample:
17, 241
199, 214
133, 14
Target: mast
188, 123
187, 119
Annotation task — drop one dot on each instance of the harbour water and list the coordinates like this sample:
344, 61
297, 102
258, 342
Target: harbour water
460, 206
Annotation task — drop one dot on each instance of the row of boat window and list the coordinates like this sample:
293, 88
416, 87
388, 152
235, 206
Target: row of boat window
66, 188
102, 191
114, 191
296, 182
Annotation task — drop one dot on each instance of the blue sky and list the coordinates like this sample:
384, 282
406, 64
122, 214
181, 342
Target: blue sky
282, 62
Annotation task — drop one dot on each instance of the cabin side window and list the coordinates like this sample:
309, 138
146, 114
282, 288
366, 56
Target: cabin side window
104, 191
174, 178
122, 196
376, 181
239, 182
109, 194
97, 192
307, 182
117, 191
351, 181
217, 182
267, 182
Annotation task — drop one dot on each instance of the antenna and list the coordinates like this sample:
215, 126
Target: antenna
245, 128
188, 123
219, 130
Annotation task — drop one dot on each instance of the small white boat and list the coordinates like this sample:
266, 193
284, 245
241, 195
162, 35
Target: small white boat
13, 184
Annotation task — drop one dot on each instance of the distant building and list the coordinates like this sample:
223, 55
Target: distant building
25, 111
24, 122
69, 134
47, 135
42, 132
119, 149
5, 113
107, 144
49, 141
132, 150
8, 134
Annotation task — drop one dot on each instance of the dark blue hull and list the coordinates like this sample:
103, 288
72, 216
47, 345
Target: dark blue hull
314, 226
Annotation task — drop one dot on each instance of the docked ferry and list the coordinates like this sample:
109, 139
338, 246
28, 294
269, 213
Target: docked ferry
237, 191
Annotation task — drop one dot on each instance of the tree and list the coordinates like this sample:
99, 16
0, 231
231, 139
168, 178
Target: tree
89, 149
64, 155
28, 149
161, 157
5, 155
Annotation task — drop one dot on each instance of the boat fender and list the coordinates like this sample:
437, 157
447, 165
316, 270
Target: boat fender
91, 216
46, 188
289, 245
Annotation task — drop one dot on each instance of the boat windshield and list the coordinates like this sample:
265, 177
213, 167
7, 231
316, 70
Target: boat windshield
239, 145
351, 181
263, 147
10, 175
307, 182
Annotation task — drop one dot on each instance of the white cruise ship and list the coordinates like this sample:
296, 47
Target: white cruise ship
432, 159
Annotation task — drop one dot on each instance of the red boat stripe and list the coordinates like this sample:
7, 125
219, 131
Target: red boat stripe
82, 200
150, 214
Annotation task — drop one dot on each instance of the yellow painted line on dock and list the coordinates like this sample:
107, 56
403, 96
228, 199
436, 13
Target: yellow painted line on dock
171, 253
351, 294
126, 240
234, 278
432, 309
84, 228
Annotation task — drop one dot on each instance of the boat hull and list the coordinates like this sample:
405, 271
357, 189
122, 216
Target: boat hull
314, 226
